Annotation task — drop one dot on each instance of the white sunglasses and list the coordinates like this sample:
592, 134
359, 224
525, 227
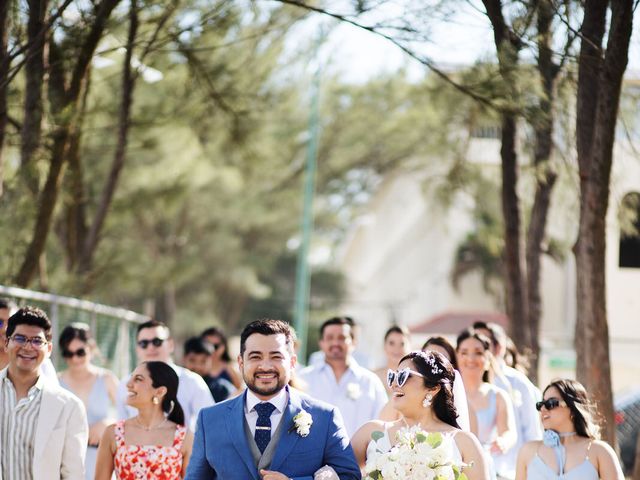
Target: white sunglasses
401, 376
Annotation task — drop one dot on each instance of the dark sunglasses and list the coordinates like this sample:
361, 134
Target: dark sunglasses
550, 404
143, 344
81, 352
401, 376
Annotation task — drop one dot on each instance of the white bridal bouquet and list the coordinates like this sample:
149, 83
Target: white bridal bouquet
417, 455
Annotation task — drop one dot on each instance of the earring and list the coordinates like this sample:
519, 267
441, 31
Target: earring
426, 403
155, 400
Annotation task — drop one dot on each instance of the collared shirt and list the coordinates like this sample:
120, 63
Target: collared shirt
279, 401
193, 395
359, 395
18, 421
524, 396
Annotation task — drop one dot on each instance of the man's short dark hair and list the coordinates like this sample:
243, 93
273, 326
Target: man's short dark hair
198, 345
5, 304
29, 316
339, 321
267, 326
497, 335
152, 324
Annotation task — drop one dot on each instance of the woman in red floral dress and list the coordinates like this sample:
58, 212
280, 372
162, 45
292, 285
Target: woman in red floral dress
155, 444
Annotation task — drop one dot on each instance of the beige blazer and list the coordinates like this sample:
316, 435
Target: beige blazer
61, 435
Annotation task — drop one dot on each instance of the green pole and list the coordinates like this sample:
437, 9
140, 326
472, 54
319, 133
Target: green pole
301, 310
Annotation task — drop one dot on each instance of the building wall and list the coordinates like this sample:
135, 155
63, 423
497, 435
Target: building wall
398, 263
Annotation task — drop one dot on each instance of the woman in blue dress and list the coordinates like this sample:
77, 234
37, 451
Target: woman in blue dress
571, 449
95, 386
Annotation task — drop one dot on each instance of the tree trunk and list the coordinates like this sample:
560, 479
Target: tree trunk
514, 280
34, 74
4, 81
124, 123
65, 106
596, 124
545, 179
507, 47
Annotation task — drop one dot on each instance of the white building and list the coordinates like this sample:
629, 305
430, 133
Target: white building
398, 262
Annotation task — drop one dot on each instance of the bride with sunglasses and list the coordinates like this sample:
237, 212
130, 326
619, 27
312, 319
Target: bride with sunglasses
95, 386
571, 448
421, 390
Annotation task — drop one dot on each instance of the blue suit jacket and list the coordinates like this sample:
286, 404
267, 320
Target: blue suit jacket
221, 450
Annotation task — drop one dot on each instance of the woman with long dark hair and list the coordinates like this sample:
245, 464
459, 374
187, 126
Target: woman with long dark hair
422, 392
155, 444
95, 386
221, 364
571, 448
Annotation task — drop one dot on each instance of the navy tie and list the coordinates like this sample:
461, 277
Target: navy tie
263, 425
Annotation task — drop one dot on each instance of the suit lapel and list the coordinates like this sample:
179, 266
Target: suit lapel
288, 438
235, 429
50, 409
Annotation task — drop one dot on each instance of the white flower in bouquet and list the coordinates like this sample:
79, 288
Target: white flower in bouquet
417, 455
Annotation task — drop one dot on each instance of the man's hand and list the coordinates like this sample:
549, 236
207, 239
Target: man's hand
271, 475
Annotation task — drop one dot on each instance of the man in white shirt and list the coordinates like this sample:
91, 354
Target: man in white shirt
357, 392
524, 395
43, 427
7, 308
154, 343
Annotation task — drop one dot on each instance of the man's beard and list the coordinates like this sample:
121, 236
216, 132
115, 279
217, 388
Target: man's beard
267, 391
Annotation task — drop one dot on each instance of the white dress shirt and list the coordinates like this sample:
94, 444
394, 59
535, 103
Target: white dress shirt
524, 396
193, 395
359, 395
279, 401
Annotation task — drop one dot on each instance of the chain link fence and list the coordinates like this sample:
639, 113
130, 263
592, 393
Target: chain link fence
113, 328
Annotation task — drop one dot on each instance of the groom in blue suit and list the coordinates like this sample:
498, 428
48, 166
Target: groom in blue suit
272, 431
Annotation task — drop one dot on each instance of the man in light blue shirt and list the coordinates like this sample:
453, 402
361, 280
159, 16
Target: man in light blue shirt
523, 393
357, 392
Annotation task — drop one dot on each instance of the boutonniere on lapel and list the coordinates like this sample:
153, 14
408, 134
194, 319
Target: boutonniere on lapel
302, 423
354, 391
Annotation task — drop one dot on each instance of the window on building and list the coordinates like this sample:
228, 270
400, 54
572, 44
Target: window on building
630, 231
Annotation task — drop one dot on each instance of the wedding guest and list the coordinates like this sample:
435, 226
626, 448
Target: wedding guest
154, 343
154, 444
492, 406
95, 386
43, 427
396, 345
7, 308
363, 359
221, 363
571, 449
522, 392
356, 391
441, 345
422, 392
197, 358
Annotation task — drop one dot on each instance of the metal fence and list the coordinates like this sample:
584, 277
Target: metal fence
113, 328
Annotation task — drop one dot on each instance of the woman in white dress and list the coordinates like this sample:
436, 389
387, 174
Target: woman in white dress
422, 393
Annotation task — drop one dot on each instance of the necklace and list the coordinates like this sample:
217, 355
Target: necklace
567, 434
149, 428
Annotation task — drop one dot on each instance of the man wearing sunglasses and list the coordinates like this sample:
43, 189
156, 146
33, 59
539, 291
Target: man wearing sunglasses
154, 343
43, 428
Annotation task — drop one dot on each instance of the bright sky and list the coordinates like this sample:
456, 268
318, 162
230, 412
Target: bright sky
360, 55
